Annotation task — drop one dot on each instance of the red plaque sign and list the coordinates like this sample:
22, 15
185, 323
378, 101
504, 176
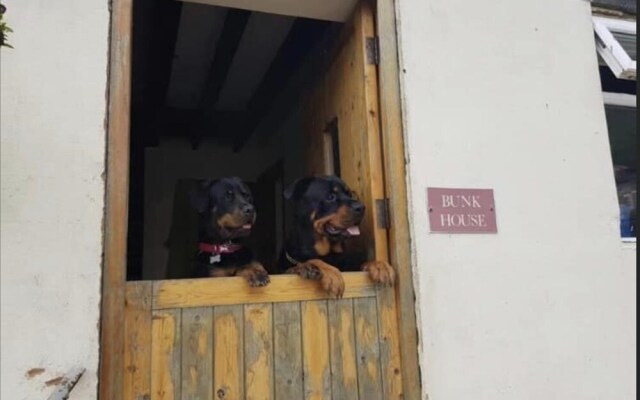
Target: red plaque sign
461, 210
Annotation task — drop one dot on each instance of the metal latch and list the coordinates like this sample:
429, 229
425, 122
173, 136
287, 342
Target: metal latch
373, 50
382, 213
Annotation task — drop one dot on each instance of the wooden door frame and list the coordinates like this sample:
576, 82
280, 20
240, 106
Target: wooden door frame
393, 148
114, 269
112, 366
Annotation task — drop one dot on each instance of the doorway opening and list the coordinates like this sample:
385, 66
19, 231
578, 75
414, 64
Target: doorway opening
314, 109
216, 91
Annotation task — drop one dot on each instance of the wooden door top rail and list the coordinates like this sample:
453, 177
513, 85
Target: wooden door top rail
183, 293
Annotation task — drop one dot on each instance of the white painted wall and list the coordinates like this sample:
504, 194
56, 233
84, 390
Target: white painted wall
498, 94
505, 95
52, 122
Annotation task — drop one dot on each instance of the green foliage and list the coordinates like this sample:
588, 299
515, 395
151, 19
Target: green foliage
4, 29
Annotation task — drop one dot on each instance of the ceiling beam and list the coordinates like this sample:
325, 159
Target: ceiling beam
296, 47
166, 21
228, 42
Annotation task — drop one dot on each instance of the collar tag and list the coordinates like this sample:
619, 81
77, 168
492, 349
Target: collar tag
214, 259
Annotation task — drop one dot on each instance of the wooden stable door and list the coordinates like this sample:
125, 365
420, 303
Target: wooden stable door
220, 339
343, 130
217, 339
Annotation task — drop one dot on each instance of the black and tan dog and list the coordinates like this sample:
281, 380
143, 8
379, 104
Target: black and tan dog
226, 215
326, 214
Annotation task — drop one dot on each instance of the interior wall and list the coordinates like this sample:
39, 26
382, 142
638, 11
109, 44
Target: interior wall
173, 160
52, 152
506, 95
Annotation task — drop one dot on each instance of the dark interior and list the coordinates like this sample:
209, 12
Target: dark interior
215, 79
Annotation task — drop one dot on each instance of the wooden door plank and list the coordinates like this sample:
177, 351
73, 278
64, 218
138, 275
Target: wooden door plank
389, 344
197, 354
345, 103
315, 349
235, 290
344, 376
137, 341
352, 98
365, 29
368, 349
165, 355
116, 204
287, 351
318, 157
396, 187
258, 351
386, 298
228, 375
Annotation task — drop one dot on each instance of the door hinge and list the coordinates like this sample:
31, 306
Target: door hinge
382, 213
373, 50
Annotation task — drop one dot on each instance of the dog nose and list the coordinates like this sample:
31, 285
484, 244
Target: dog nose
357, 207
247, 209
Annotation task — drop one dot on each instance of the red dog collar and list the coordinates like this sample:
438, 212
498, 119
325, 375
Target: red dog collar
215, 249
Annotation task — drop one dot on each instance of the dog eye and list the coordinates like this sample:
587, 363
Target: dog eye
246, 195
229, 195
332, 197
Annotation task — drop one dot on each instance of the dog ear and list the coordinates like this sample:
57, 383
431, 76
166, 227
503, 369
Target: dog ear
199, 195
241, 183
291, 189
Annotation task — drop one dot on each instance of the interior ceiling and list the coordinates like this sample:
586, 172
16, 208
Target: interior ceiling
198, 35
198, 68
329, 10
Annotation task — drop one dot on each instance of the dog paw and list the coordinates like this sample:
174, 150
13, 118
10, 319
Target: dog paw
255, 274
306, 271
330, 277
332, 282
380, 272
258, 279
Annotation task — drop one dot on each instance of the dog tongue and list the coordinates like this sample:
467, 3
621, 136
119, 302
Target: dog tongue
353, 231
246, 226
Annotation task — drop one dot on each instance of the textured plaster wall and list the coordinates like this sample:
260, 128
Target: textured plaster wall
506, 95
52, 122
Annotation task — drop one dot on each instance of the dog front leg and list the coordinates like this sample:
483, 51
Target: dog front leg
329, 276
380, 272
254, 273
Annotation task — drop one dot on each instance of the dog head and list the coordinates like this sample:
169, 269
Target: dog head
328, 204
225, 206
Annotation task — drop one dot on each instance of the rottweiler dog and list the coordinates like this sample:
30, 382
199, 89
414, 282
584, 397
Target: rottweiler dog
326, 214
226, 215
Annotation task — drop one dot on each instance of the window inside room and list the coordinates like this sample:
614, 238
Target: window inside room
616, 44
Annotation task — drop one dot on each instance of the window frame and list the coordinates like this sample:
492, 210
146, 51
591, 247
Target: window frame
610, 49
621, 100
